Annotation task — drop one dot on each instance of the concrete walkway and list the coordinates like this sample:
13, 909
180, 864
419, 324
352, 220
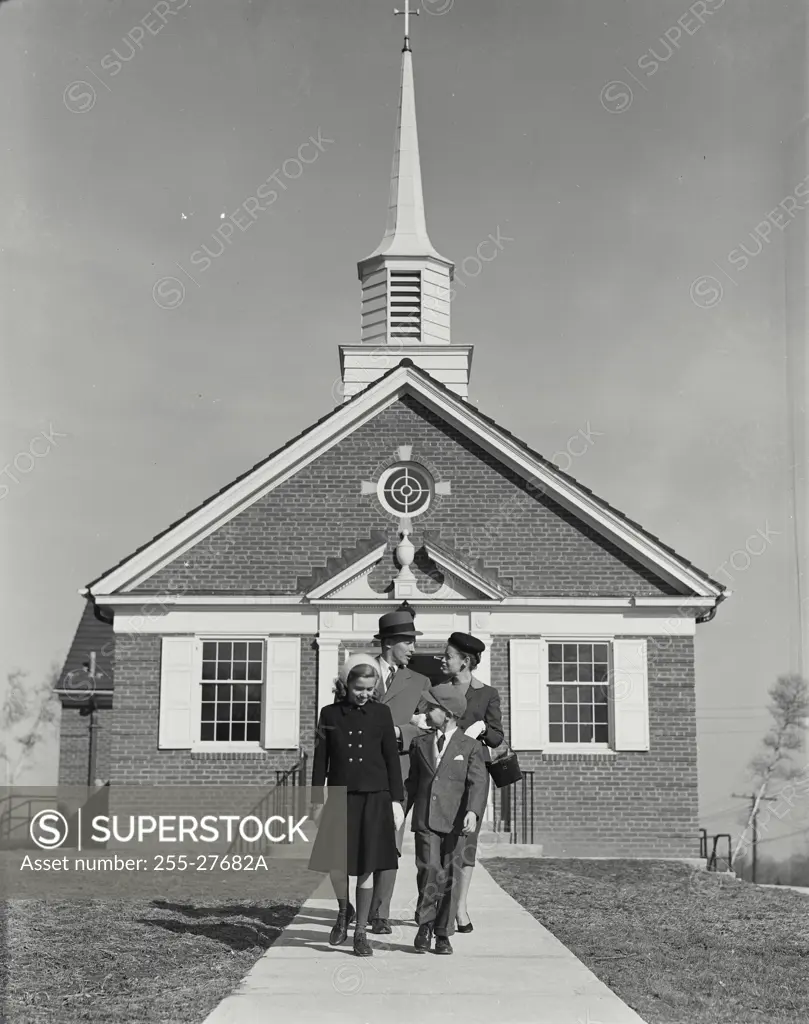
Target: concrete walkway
509, 969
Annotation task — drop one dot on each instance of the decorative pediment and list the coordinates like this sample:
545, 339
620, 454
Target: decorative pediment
456, 580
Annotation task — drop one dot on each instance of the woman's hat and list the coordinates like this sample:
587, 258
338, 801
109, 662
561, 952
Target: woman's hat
448, 697
467, 643
396, 624
353, 660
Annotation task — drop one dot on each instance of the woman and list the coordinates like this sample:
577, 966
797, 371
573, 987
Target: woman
356, 748
482, 721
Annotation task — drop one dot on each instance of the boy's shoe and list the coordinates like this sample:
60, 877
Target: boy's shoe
424, 938
339, 932
442, 945
362, 947
381, 926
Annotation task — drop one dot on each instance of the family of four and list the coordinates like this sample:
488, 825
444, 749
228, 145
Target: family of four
393, 742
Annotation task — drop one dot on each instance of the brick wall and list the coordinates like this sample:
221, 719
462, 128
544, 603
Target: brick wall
538, 548
631, 803
135, 757
74, 746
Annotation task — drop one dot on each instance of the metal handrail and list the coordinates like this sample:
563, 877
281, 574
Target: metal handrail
713, 858
269, 802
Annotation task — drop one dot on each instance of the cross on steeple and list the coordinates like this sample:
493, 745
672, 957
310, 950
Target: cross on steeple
406, 12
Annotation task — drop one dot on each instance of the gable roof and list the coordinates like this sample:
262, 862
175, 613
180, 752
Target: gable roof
406, 379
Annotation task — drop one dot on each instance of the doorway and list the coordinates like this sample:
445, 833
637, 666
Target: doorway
428, 663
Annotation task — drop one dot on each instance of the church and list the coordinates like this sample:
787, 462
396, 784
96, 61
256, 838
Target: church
215, 644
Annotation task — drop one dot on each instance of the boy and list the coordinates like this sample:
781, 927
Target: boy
446, 788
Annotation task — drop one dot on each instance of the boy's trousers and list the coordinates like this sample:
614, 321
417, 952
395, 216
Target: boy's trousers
438, 878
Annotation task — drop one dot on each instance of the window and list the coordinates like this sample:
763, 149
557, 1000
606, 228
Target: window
232, 689
405, 490
578, 693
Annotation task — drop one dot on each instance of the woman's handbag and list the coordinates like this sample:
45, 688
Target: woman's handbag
504, 767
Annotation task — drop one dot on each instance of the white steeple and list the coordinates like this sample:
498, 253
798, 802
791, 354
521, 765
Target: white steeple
406, 291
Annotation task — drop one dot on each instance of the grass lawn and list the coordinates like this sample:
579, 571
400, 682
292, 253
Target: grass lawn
679, 946
127, 962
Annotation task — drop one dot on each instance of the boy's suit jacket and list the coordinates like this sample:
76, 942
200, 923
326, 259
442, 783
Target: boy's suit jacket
402, 698
440, 797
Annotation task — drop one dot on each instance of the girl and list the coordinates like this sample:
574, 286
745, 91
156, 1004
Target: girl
356, 749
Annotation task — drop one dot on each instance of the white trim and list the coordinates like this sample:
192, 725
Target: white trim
156, 600
478, 583
600, 749
347, 575
223, 600
349, 417
357, 620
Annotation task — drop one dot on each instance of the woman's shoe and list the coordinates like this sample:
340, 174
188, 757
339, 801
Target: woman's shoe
339, 932
464, 929
362, 947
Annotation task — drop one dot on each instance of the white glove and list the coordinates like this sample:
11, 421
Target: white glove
475, 729
398, 816
420, 721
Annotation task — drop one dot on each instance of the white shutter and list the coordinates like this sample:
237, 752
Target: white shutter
177, 682
282, 693
528, 691
629, 692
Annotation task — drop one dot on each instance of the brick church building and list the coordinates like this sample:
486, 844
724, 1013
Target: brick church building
216, 643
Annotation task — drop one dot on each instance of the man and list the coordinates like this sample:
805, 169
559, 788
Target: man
401, 690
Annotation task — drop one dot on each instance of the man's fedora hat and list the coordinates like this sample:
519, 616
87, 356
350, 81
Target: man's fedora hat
466, 643
396, 624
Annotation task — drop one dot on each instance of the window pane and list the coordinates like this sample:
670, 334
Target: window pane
571, 673
555, 694
600, 712
209, 651
239, 712
555, 673
254, 713
225, 650
571, 733
585, 652
208, 692
237, 732
571, 713
585, 713
586, 733
254, 670
256, 651
555, 733
602, 734
254, 693
555, 713
240, 651
253, 731
571, 694
206, 732
207, 712
223, 670
571, 652
239, 691
600, 652
222, 732
600, 674
240, 669
209, 670
600, 694
586, 673
554, 652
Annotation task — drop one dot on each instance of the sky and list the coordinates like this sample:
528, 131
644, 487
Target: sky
622, 150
